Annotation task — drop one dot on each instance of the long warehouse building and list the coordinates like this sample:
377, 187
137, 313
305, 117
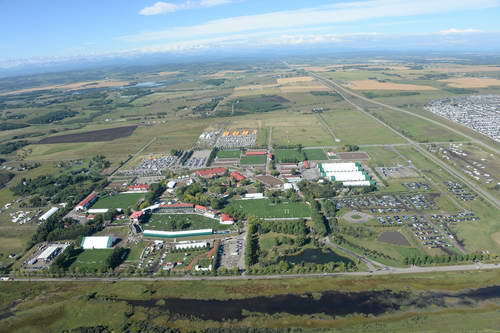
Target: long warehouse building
350, 174
177, 234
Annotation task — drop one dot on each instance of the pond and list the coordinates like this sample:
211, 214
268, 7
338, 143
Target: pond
316, 256
333, 303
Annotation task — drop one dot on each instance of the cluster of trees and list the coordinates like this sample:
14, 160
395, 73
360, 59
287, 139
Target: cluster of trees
99, 162
355, 231
9, 147
252, 250
320, 223
295, 227
116, 257
315, 190
68, 187
329, 208
52, 116
286, 267
65, 259
350, 147
429, 260
215, 82
5, 177
11, 126
212, 156
155, 191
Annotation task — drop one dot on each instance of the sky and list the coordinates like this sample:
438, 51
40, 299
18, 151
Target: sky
37, 30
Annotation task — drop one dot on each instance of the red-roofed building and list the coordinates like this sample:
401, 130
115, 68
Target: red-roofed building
139, 187
226, 219
210, 173
306, 164
200, 208
256, 153
87, 202
237, 176
136, 216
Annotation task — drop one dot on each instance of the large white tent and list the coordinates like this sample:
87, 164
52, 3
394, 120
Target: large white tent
97, 242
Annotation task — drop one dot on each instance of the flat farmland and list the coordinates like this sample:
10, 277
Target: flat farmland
416, 128
377, 85
471, 82
352, 126
264, 208
92, 136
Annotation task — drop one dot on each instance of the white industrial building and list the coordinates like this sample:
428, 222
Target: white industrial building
48, 214
98, 210
254, 196
51, 252
350, 174
97, 242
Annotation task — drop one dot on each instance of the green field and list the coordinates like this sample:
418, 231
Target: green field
253, 160
315, 154
126, 200
288, 155
265, 209
228, 153
92, 260
187, 221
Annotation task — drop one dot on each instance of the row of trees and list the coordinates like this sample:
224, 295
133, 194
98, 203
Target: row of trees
429, 260
320, 223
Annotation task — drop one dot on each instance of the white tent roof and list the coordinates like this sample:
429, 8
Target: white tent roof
97, 242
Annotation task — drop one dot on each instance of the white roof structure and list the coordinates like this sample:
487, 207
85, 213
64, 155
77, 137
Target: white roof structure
340, 167
97, 242
48, 252
171, 184
189, 245
254, 196
346, 176
49, 213
357, 183
98, 211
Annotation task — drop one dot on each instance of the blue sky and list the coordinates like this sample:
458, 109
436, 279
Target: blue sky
56, 29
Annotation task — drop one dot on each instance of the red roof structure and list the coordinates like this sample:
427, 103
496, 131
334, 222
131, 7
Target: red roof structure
306, 164
200, 207
256, 153
210, 172
178, 205
136, 215
87, 200
237, 176
226, 218
139, 187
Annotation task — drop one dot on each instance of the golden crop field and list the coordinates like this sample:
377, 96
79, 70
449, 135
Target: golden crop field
288, 80
376, 85
471, 82
71, 86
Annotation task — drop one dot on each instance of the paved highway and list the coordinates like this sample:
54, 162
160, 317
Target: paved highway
386, 271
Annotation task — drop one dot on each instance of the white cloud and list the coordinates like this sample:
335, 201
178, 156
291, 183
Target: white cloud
162, 7
159, 8
332, 14
452, 31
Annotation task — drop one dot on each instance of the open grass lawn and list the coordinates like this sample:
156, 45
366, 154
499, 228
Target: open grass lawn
92, 259
228, 153
119, 201
172, 222
251, 160
354, 127
315, 154
265, 209
288, 155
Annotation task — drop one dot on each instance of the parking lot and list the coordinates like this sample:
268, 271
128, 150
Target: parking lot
237, 138
388, 203
231, 255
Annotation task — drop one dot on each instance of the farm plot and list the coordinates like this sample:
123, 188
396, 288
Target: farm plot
471, 82
264, 208
378, 85
108, 134
352, 126
125, 200
178, 222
